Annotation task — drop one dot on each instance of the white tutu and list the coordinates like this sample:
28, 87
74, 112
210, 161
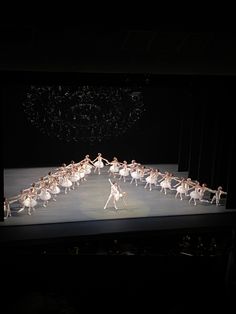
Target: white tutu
165, 185
151, 180
114, 168
81, 174
45, 195
99, 164
74, 177
195, 195
55, 190
135, 175
30, 202
66, 183
124, 172
181, 189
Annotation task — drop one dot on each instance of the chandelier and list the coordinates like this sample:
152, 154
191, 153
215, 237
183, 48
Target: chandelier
83, 113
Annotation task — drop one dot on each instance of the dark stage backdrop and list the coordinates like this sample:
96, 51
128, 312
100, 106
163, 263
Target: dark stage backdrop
154, 138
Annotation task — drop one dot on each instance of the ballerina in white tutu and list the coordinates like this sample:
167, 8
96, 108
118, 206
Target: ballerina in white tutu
54, 188
151, 179
87, 159
181, 188
196, 193
115, 165
65, 182
45, 195
132, 165
73, 177
24, 194
124, 171
98, 163
166, 182
136, 175
115, 194
30, 201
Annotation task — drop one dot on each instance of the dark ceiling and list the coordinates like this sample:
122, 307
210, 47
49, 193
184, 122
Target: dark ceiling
112, 49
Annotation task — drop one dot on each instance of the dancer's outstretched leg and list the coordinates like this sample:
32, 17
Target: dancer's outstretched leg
107, 202
20, 210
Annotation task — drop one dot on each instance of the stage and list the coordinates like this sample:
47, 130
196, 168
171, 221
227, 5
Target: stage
81, 211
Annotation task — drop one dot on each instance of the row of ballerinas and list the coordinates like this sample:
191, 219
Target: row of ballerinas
184, 186
64, 179
68, 177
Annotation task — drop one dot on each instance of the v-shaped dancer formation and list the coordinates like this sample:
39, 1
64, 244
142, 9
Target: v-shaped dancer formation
68, 177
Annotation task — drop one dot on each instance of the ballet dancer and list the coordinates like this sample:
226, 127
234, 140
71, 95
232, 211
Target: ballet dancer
114, 169
166, 182
196, 193
217, 195
124, 171
98, 163
21, 198
115, 194
24, 193
151, 179
181, 188
136, 175
7, 209
29, 201
54, 189
65, 182
133, 164
45, 194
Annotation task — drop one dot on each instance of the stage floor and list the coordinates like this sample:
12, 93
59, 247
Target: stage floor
86, 203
